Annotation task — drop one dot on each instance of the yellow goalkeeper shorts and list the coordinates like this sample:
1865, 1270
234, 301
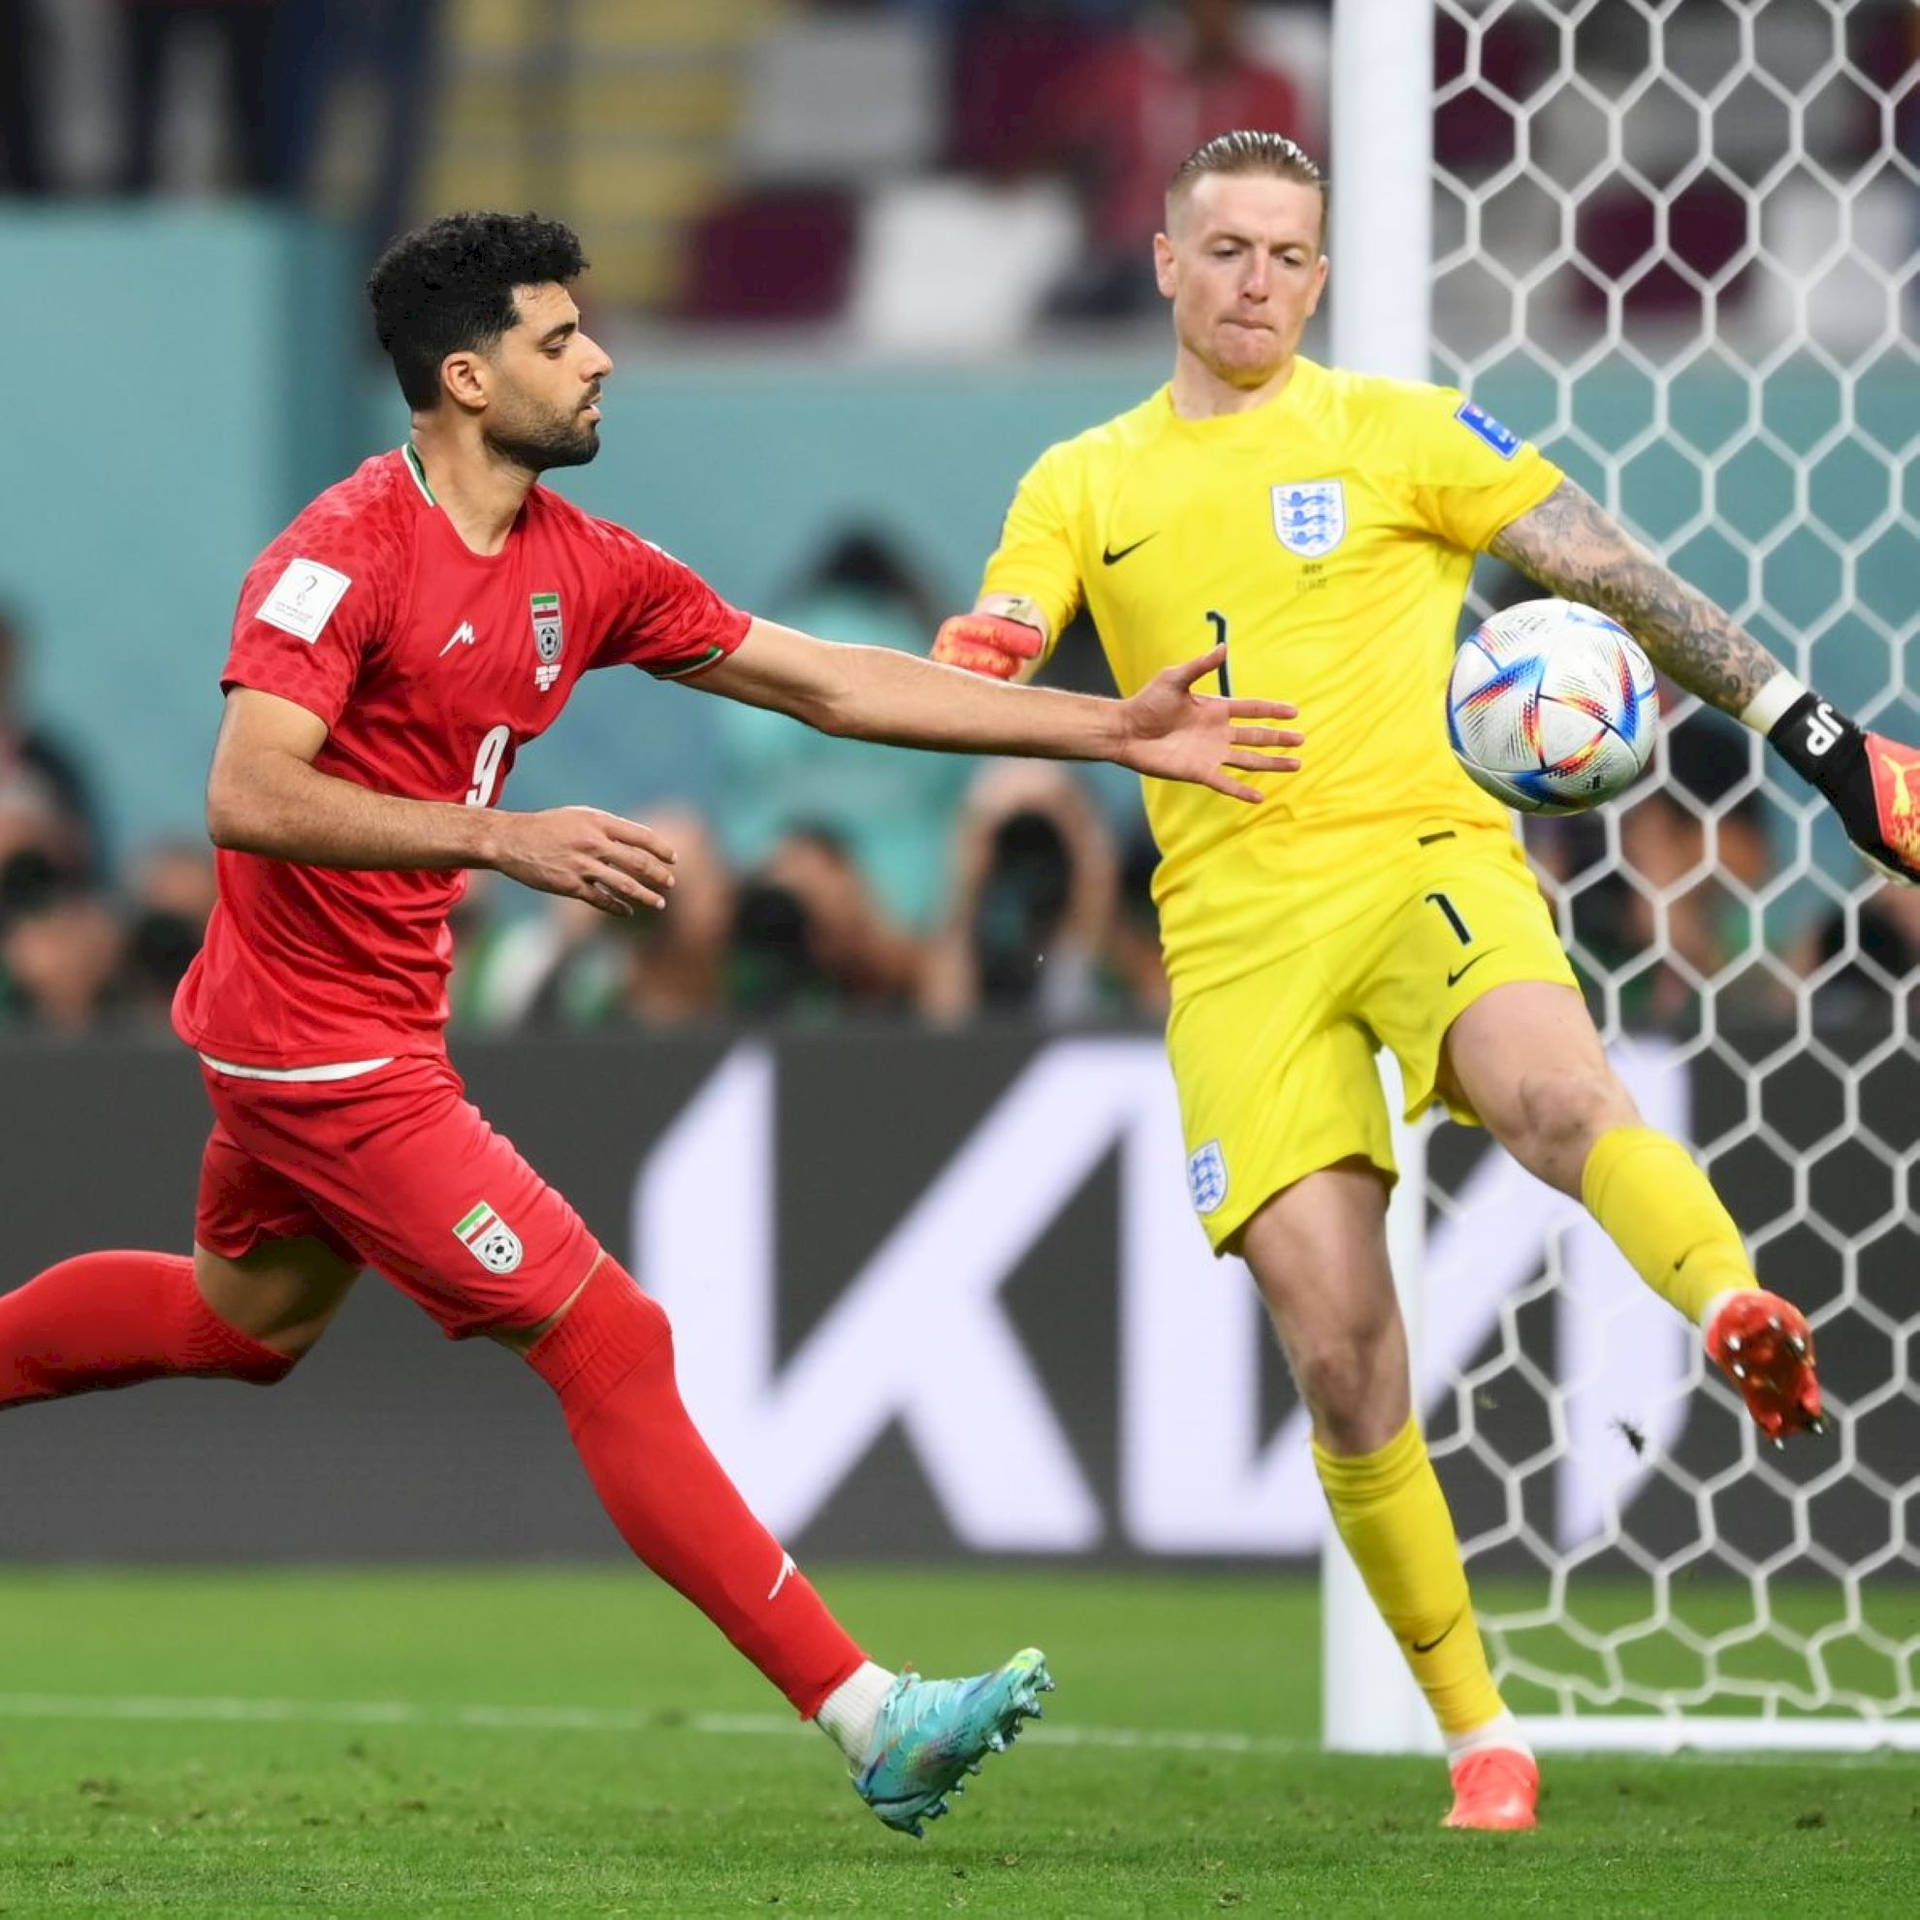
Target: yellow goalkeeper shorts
1276, 1068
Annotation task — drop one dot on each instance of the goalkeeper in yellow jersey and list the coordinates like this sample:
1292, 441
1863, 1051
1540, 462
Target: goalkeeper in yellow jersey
1322, 525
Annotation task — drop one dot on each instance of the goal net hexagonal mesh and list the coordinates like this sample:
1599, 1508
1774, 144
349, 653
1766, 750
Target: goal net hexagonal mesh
1675, 244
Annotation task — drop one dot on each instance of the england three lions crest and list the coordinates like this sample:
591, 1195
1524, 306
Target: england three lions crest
1207, 1177
1310, 516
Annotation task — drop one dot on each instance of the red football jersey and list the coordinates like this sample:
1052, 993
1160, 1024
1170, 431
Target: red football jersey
431, 665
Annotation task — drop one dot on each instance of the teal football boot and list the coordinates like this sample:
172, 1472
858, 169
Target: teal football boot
932, 1733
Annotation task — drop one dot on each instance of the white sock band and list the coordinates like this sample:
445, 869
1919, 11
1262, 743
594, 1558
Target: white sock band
1503, 1730
853, 1708
1718, 1301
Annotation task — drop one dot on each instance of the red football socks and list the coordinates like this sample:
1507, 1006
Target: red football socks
610, 1360
114, 1319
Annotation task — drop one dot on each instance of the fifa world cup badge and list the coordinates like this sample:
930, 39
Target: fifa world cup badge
547, 640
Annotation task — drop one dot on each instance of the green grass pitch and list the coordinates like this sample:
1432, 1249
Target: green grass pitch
352, 1743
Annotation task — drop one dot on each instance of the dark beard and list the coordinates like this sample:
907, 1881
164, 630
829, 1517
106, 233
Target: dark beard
551, 444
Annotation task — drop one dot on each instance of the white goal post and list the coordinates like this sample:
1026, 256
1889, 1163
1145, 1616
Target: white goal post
1672, 242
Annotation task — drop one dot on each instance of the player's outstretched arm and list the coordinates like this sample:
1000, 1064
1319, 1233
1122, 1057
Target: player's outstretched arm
1574, 547
871, 693
265, 795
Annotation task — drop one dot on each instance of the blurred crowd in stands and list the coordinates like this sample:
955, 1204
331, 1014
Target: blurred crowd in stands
848, 883
959, 172
144, 96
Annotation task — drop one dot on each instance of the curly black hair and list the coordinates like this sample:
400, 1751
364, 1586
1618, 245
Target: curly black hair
448, 287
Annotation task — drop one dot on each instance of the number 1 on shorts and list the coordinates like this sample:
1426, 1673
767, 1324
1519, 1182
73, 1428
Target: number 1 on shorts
1459, 926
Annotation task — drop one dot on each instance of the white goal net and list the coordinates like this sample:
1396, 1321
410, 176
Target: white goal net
1675, 244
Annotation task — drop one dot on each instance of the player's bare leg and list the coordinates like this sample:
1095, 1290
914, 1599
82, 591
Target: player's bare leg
283, 1294
114, 1319
1318, 1251
1529, 1062
909, 1743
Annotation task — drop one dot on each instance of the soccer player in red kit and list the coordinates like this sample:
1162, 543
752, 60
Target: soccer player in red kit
391, 652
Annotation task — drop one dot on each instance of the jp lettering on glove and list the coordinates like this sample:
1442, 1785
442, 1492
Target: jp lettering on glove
988, 643
1871, 782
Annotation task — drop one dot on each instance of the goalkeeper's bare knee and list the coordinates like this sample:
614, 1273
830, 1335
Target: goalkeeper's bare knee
1558, 1112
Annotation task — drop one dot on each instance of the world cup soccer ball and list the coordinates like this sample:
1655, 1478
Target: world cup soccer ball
1551, 707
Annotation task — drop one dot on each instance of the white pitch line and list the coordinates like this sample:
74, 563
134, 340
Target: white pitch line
82, 1706
213, 1709
222, 1709
1055, 1734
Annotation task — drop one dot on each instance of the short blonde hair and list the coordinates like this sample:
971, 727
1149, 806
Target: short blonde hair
1247, 150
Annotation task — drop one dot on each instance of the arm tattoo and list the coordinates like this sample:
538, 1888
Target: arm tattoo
1571, 545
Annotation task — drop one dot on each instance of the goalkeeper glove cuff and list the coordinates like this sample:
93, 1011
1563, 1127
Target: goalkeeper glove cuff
1872, 783
1814, 738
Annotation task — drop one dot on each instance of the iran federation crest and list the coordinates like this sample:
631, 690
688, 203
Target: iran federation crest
547, 639
1207, 1177
490, 1240
1310, 516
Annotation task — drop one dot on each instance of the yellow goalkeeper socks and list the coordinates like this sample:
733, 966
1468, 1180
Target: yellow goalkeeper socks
1394, 1519
1659, 1210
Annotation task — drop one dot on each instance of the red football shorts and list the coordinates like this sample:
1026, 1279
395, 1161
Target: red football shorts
396, 1170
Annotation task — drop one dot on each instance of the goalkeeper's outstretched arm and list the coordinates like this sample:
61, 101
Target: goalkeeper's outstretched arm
1571, 545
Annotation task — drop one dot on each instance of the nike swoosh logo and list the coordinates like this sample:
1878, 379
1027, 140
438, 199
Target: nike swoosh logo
1427, 1646
1460, 973
1109, 556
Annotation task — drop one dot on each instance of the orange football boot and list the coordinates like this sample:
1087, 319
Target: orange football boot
1495, 1790
1765, 1347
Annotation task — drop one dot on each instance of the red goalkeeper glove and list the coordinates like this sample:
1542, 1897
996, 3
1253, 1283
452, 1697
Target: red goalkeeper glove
1873, 783
987, 643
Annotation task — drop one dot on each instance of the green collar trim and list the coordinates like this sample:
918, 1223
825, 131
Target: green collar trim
412, 458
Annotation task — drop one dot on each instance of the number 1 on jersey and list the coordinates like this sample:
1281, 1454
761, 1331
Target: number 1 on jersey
486, 766
1218, 621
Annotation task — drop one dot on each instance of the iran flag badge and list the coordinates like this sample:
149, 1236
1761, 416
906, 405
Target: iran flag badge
490, 1240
